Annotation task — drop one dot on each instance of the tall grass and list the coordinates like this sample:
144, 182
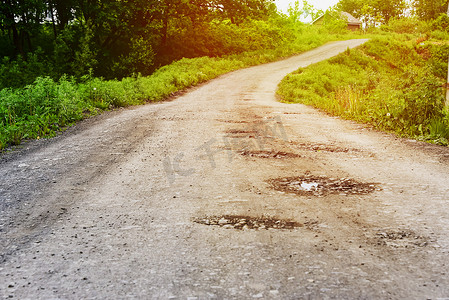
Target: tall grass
393, 83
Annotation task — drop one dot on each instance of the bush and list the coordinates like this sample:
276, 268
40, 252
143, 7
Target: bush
441, 23
20, 72
219, 38
406, 25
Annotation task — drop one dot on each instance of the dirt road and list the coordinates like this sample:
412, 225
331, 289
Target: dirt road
225, 193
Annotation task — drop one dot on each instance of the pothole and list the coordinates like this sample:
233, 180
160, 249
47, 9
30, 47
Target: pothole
247, 222
325, 148
232, 121
269, 154
238, 134
401, 238
308, 185
236, 131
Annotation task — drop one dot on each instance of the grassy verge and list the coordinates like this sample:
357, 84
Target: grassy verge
47, 106
394, 83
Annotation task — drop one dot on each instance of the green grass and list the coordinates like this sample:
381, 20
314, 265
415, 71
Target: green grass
393, 83
45, 107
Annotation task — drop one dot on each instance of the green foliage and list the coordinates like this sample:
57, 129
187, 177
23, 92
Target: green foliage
354, 7
47, 106
441, 23
406, 25
19, 72
438, 58
430, 9
223, 38
439, 35
39, 109
79, 47
335, 25
117, 38
297, 11
387, 83
372, 11
139, 60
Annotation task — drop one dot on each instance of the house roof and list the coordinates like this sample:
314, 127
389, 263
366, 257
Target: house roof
350, 19
317, 19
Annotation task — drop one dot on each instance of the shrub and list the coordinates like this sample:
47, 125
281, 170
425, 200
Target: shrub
406, 25
441, 23
20, 72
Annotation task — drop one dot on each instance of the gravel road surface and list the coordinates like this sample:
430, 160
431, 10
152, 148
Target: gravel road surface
225, 193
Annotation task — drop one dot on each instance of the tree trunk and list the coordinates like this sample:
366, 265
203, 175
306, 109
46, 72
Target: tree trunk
53, 21
16, 39
10, 18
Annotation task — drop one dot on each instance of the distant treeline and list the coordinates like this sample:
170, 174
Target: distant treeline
382, 11
116, 38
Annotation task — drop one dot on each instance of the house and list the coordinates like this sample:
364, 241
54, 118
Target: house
353, 23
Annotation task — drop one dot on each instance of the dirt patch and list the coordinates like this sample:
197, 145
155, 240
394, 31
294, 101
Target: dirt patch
310, 185
247, 222
269, 154
401, 238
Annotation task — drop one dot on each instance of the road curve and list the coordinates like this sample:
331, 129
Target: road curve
224, 193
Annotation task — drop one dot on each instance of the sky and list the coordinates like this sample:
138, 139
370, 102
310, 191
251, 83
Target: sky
319, 4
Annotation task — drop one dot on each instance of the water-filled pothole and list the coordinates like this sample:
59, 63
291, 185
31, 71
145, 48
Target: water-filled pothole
308, 185
401, 238
247, 222
269, 154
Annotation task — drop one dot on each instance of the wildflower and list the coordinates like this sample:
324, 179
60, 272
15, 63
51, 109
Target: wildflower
388, 114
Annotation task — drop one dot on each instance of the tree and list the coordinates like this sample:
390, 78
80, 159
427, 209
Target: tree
354, 7
296, 11
22, 18
387, 9
117, 37
430, 9
373, 11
